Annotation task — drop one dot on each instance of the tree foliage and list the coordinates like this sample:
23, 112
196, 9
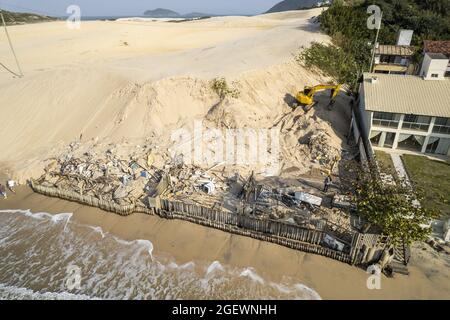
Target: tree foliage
393, 207
331, 60
346, 23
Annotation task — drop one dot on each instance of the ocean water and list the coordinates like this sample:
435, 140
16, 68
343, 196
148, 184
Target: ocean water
44, 256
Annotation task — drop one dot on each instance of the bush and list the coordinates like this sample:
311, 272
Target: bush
223, 90
332, 61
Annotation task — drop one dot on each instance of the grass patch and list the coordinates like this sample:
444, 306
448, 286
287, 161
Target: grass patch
433, 178
384, 160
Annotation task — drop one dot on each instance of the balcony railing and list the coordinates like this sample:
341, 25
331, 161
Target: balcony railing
416, 126
406, 64
441, 129
385, 123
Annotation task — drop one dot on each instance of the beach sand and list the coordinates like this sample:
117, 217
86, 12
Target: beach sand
185, 242
113, 81
127, 81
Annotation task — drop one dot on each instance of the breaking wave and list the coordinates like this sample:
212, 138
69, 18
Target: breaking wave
42, 256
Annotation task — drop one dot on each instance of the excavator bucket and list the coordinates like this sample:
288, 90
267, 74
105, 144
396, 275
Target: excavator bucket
307, 108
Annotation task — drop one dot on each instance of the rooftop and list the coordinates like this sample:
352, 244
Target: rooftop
394, 50
437, 56
406, 94
437, 47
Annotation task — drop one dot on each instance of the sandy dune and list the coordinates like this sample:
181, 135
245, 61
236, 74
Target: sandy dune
128, 81
120, 80
153, 50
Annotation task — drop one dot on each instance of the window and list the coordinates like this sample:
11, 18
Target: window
411, 142
384, 116
385, 119
442, 125
434, 75
415, 122
375, 137
389, 141
438, 146
410, 118
442, 121
387, 59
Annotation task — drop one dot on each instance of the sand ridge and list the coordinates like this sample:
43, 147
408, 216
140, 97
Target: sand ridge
115, 81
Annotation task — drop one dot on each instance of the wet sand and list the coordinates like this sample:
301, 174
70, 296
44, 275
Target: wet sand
184, 242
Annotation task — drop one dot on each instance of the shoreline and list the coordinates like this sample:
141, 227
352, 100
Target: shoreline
184, 242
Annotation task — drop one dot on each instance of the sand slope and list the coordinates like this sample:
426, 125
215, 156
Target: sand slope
133, 80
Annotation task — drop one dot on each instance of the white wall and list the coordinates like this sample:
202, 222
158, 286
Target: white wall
433, 66
404, 37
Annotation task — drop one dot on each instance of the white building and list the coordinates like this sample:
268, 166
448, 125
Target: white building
406, 112
434, 66
395, 59
438, 47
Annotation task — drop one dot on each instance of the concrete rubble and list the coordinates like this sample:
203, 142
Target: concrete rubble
133, 175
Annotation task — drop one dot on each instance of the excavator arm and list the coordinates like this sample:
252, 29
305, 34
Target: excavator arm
306, 97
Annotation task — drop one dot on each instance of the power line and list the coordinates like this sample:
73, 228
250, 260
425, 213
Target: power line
12, 48
376, 41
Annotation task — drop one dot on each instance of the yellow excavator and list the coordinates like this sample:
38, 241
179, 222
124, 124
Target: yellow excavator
306, 97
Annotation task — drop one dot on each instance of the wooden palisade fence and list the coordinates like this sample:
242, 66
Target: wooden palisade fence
360, 248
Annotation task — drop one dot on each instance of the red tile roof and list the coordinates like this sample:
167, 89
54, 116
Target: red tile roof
437, 47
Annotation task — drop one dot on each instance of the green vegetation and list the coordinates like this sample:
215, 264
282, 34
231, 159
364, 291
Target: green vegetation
385, 162
190, 19
14, 18
223, 90
434, 178
391, 208
346, 23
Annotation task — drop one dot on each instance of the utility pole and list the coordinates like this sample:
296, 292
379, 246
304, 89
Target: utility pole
375, 44
10, 44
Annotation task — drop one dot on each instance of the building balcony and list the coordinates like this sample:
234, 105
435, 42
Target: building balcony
416, 126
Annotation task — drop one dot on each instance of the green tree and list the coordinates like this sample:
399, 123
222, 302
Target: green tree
346, 23
395, 208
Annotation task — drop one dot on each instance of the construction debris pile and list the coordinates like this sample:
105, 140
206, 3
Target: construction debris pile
105, 176
126, 178
291, 205
321, 150
133, 175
